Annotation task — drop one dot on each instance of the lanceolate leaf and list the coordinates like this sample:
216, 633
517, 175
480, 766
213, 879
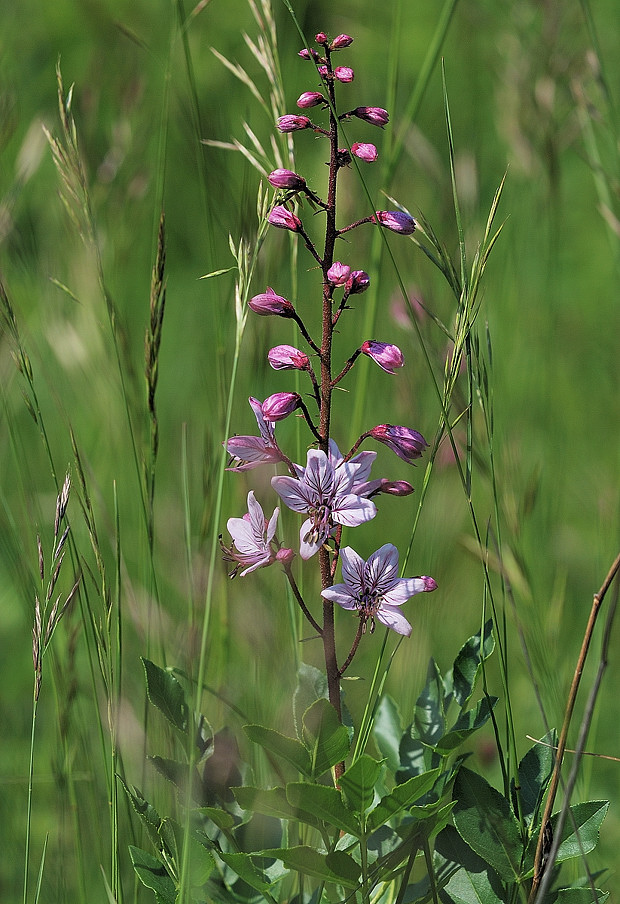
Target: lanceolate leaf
150, 818
153, 874
461, 681
466, 724
402, 796
472, 881
588, 818
485, 821
581, 896
323, 803
336, 867
326, 739
245, 868
270, 802
289, 749
429, 720
167, 694
311, 686
387, 730
358, 783
534, 774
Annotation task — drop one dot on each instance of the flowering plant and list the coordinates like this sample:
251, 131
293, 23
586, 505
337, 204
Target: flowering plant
349, 825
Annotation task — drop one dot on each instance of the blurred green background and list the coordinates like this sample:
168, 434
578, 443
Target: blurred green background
532, 89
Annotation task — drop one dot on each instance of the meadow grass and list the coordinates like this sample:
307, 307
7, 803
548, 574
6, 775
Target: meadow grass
526, 520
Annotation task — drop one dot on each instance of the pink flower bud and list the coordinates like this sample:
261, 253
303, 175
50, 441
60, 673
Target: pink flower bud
321, 38
388, 357
283, 178
376, 116
407, 444
286, 556
293, 123
338, 274
396, 487
287, 357
280, 405
430, 584
322, 70
270, 303
358, 282
396, 220
341, 41
367, 152
307, 54
344, 74
284, 219
310, 99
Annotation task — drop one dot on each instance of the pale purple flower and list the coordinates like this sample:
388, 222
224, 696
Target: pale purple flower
269, 303
338, 274
376, 116
358, 282
326, 494
310, 99
362, 463
249, 452
284, 178
279, 405
344, 74
292, 122
396, 220
387, 356
407, 444
373, 589
282, 218
367, 152
287, 357
341, 41
252, 536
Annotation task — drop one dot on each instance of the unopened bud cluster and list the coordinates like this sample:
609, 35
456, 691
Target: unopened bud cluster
331, 490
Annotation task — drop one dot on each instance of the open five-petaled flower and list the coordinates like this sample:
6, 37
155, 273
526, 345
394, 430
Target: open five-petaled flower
373, 589
252, 535
249, 452
328, 494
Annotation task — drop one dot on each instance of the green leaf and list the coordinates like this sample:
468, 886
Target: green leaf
324, 803
220, 818
167, 694
581, 896
472, 881
173, 771
466, 724
289, 749
387, 731
269, 802
461, 680
429, 719
402, 796
154, 875
326, 739
150, 818
336, 867
311, 686
414, 756
358, 783
534, 773
588, 818
486, 823
244, 867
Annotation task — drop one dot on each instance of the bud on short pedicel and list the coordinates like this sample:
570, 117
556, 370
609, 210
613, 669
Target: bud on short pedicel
283, 178
341, 41
367, 152
310, 99
344, 74
269, 303
284, 219
338, 274
279, 405
358, 282
287, 357
407, 444
292, 122
396, 220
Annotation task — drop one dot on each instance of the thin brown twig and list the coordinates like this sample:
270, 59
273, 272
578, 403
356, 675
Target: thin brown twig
570, 705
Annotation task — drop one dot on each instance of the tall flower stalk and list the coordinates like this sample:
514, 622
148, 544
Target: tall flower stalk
332, 490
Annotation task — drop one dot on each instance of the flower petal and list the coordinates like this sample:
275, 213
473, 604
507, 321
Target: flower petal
394, 619
342, 595
352, 510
